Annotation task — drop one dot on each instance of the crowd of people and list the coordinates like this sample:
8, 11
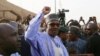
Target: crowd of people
46, 37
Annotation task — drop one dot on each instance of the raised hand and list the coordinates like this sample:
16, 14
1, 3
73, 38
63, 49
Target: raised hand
46, 10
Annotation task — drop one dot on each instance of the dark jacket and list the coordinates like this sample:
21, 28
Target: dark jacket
25, 47
93, 44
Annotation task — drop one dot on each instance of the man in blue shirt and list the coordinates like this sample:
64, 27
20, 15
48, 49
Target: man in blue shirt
75, 44
45, 43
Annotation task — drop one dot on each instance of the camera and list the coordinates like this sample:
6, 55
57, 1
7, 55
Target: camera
61, 15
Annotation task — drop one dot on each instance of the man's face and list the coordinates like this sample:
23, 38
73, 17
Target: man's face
11, 39
64, 36
53, 27
91, 28
88, 30
72, 36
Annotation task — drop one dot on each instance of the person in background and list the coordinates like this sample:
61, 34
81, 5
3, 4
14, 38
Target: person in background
90, 29
8, 40
63, 34
25, 47
75, 44
76, 23
93, 41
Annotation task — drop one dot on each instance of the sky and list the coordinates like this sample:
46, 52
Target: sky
77, 8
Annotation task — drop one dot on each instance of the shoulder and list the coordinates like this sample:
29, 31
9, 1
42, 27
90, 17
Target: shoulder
94, 37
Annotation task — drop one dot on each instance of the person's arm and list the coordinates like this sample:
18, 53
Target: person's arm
32, 32
34, 24
81, 19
